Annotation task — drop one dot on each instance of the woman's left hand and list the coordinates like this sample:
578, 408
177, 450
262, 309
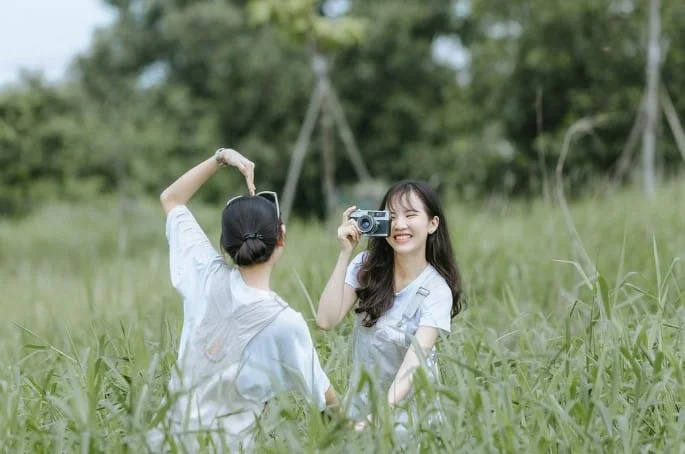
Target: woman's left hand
244, 165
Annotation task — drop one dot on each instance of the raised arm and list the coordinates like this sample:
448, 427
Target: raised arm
338, 298
183, 189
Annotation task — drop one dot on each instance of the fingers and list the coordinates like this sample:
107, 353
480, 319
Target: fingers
348, 211
249, 177
349, 227
244, 165
247, 169
349, 231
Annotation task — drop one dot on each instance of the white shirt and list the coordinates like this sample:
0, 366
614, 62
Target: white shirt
435, 310
280, 357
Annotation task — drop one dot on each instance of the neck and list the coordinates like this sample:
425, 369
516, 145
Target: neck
407, 267
257, 276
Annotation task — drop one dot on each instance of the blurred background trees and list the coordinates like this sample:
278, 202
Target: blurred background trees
472, 95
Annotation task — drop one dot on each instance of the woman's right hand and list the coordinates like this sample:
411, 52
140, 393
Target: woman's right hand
244, 165
348, 232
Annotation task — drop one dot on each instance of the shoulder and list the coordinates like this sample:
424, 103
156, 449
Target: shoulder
359, 259
290, 318
180, 223
357, 262
289, 326
179, 213
439, 292
438, 287
178, 210
436, 310
352, 274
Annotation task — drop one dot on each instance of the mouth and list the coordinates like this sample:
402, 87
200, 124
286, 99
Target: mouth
401, 237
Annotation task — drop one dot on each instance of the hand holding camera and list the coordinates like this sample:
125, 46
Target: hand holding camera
348, 233
358, 223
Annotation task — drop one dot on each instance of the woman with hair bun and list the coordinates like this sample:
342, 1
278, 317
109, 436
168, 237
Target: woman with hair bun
241, 344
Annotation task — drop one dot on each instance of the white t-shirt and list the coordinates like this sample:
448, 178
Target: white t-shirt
436, 308
281, 357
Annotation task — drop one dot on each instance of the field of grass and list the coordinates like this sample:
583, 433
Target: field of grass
547, 358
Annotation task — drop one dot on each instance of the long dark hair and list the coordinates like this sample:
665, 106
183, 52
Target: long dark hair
375, 290
250, 230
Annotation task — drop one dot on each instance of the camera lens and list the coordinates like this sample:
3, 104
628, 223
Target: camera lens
365, 223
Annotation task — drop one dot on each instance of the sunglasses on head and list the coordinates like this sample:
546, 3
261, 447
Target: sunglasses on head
271, 196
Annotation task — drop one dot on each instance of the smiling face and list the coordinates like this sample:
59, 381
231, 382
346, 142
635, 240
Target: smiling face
410, 224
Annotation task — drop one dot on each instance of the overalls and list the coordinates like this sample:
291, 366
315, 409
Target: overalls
205, 383
380, 350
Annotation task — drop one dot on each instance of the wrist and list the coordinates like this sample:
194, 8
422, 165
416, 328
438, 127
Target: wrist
219, 157
345, 254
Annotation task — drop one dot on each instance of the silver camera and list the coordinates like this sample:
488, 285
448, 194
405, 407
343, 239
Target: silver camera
372, 223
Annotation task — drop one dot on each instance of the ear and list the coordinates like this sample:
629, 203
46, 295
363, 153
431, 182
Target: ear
433, 225
281, 242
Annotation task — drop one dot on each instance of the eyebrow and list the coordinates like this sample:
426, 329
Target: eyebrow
408, 210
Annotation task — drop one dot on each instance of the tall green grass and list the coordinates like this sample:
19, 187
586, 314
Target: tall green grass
547, 356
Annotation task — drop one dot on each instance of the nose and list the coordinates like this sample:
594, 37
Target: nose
398, 223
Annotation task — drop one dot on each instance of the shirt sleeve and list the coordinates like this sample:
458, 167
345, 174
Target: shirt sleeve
352, 275
437, 307
191, 255
287, 361
303, 369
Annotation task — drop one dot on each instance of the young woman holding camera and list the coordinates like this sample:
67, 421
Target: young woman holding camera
407, 289
241, 344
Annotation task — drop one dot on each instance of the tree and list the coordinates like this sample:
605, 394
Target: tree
254, 86
169, 81
303, 22
539, 66
42, 144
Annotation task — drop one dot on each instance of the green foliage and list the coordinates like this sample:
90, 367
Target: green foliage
395, 92
539, 66
301, 21
42, 145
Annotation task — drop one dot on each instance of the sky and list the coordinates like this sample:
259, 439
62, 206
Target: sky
46, 35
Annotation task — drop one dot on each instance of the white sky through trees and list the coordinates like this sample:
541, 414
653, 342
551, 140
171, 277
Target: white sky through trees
45, 35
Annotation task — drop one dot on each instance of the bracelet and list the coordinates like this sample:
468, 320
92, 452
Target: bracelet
219, 159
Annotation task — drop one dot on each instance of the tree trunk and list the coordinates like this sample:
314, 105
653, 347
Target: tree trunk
541, 148
327, 157
301, 149
651, 98
348, 138
673, 121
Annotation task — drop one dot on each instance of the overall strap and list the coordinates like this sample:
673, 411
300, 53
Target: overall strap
418, 298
